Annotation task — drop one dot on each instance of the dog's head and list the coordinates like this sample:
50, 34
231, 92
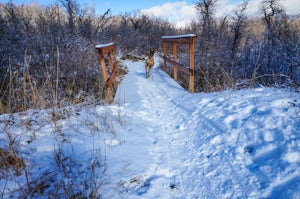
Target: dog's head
152, 51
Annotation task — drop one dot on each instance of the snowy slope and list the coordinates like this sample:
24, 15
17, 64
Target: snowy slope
159, 141
233, 144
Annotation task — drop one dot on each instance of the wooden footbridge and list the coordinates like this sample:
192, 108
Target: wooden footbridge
110, 72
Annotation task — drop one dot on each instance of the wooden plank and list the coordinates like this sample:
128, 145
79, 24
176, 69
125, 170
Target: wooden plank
180, 67
106, 50
112, 78
192, 66
103, 66
165, 55
179, 36
178, 41
110, 62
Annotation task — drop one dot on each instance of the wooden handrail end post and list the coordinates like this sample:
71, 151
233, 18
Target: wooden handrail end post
109, 50
175, 40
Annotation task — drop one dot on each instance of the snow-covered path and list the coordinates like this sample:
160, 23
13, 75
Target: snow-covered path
150, 103
171, 118
220, 145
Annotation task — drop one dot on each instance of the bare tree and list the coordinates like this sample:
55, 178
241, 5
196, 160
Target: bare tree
212, 54
282, 41
206, 10
72, 9
102, 21
238, 25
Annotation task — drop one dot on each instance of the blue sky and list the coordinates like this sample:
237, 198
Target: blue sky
179, 12
130, 5
117, 6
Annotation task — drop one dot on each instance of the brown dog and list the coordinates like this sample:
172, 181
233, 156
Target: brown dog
149, 62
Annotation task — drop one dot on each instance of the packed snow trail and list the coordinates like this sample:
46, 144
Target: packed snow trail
150, 103
179, 145
159, 102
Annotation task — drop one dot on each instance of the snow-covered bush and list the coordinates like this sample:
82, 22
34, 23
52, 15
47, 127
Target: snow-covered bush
47, 53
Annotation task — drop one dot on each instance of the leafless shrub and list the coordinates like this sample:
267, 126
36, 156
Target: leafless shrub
48, 52
235, 49
10, 161
213, 70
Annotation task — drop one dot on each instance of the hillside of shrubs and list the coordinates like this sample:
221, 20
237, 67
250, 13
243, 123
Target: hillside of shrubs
48, 56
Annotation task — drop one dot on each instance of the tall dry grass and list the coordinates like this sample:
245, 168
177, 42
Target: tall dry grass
23, 87
65, 169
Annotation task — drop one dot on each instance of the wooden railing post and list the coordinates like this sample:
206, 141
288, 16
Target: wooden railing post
165, 55
175, 59
111, 66
192, 65
103, 66
181, 39
109, 50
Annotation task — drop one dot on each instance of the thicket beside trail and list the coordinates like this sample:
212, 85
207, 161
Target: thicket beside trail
48, 57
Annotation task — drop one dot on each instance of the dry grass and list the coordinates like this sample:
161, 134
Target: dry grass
69, 177
132, 57
68, 173
22, 89
10, 161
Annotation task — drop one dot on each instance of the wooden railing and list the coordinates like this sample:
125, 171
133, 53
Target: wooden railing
175, 40
109, 73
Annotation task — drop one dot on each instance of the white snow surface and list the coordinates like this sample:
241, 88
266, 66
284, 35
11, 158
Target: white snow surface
160, 141
178, 36
104, 45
